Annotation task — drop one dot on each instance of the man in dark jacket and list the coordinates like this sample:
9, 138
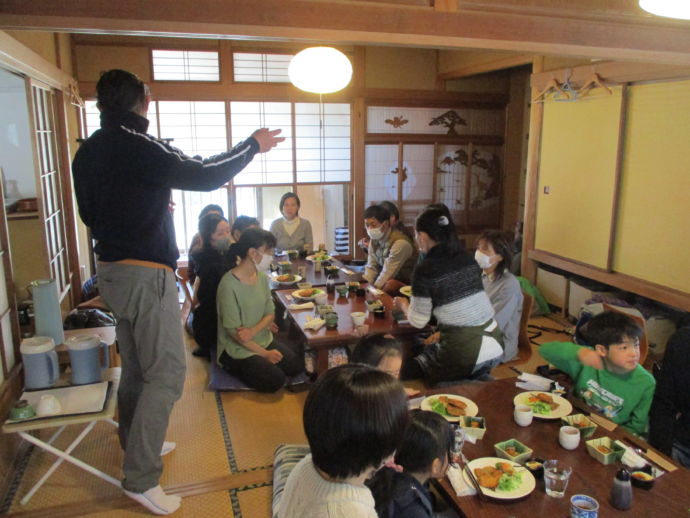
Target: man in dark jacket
123, 179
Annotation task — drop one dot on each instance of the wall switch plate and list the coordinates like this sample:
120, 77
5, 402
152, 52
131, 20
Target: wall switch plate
547, 189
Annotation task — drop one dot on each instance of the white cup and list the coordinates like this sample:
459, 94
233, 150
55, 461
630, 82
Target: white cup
48, 405
569, 437
321, 299
358, 318
523, 415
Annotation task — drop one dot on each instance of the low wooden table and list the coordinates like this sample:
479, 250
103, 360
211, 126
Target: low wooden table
669, 496
318, 278
324, 339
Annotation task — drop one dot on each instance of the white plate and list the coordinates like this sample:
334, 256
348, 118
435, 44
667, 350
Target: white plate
470, 411
406, 290
275, 275
326, 258
316, 292
527, 486
564, 406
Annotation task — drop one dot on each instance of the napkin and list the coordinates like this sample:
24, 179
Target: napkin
306, 305
630, 457
534, 382
375, 291
314, 324
461, 486
346, 271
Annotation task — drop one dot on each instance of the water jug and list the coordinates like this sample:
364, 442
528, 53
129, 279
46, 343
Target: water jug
85, 352
40, 362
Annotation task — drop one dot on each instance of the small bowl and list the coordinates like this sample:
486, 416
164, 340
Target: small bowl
352, 285
372, 305
642, 479
325, 309
331, 270
303, 285
292, 254
604, 450
473, 426
342, 290
535, 465
523, 452
583, 423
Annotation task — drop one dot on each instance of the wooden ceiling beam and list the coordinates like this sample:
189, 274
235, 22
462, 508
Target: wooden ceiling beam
541, 32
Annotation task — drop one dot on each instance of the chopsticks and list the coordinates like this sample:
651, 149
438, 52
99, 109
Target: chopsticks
650, 456
475, 484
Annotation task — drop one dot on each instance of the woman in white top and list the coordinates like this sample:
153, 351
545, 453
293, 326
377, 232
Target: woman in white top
354, 419
291, 231
494, 256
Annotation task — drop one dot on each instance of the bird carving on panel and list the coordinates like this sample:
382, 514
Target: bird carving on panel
404, 172
397, 122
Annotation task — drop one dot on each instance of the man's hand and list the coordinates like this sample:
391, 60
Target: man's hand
244, 334
590, 358
267, 139
273, 356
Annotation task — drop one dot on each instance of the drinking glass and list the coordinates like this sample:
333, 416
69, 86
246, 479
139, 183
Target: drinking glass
458, 443
556, 476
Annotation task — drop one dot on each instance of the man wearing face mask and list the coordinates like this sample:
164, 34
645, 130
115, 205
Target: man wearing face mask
123, 179
391, 257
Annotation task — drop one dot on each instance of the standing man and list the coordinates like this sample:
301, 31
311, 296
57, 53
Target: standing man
123, 179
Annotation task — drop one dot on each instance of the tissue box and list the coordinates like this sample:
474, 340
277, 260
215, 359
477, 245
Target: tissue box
613, 454
586, 426
523, 452
478, 430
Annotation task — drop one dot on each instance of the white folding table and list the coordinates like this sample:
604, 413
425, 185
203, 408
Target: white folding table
24, 429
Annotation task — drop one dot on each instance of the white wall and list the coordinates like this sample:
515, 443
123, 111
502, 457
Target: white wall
16, 155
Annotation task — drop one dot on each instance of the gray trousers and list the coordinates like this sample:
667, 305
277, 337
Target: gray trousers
149, 335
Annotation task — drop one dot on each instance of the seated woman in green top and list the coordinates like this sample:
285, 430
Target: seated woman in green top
246, 346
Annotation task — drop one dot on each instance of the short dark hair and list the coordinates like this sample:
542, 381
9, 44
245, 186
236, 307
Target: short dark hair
378, 212
373, 348
242, 223
391, 208
211, 208
501, 245
207, 226
429, 436
286, 197
610, 327
439, 227
253, 238
354, 417
119, 90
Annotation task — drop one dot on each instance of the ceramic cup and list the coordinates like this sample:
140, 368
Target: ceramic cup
321, 298
569, 437
331, 320
523, 415
48, 405
583, 506
358, 318
342, 290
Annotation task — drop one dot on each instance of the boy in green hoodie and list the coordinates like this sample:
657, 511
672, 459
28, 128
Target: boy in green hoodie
608, 376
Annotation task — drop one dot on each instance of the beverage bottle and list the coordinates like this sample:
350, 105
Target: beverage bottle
330, 284
621, 492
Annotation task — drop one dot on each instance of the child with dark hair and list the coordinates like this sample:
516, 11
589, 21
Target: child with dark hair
424, 453
212, 260
246, 345
448, 286
494, 257
382, 351
241, 224
291, 231
608, 376
354, 418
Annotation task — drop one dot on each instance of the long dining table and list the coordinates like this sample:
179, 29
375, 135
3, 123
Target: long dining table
318, 278
670, 496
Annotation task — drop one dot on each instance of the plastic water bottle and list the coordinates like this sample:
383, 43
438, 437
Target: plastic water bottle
621, 492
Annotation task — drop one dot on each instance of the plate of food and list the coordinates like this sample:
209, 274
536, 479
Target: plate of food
500, 478
544, 405
406, 290
450, 406
319, 257
287, 278
307, 293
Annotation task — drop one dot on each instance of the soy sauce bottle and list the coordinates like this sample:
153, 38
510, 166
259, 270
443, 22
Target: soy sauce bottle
330, 284
621, 492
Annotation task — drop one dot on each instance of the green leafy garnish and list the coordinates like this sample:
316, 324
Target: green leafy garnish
438, 407
540, 407
510, 482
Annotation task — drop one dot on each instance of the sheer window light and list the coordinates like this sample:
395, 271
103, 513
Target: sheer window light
185, 65
253, 67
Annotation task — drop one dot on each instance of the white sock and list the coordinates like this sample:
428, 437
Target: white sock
168, 446
156, 501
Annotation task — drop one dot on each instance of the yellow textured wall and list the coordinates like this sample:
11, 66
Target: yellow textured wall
654, 216
42, 43
396, 67
92, 60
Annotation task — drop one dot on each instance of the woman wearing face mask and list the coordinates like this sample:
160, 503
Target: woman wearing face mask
494, 256
291, 231
447, 285
246, 346
212, 260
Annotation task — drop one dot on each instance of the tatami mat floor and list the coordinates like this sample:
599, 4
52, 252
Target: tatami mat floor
222, 465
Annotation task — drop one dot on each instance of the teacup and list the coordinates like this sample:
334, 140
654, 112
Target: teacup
321, 298
569, 437
342, 290
583, 506
48, 405
331, 320
523, 415
358, 318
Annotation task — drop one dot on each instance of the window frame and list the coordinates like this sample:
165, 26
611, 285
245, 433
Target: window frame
186, 81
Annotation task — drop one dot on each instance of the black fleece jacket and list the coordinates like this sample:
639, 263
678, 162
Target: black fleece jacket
123, 180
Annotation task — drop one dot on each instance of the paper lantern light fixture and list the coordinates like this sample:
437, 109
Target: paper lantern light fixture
668, 8
321, 70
